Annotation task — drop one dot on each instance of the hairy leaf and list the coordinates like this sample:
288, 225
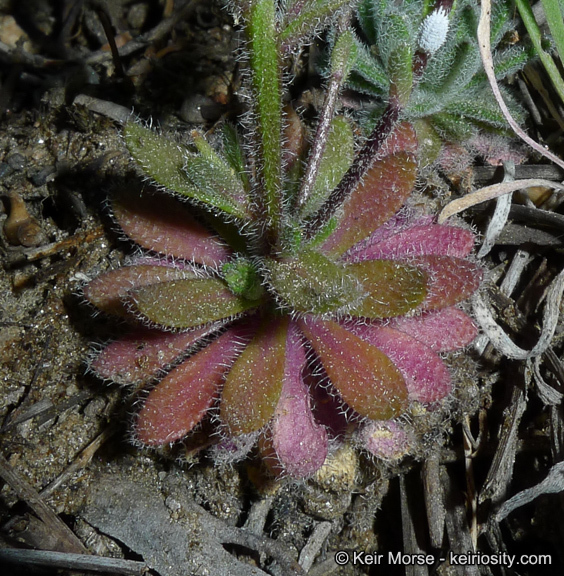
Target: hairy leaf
365, 377
141, 355
392, 288
183, 397
299, 443
426, 377
109, 290
304, 18
163, 224
188, 303
169, 164
252, 387
265, 68
313, 283
337, 158
382, 192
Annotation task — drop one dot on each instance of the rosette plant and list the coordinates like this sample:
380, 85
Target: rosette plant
284, 289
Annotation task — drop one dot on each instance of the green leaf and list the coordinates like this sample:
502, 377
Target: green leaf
188, 303
343, 55
370, 69
172, 166
396, 47
313, 283
554, 12
536, 38
304, 18
243, 278
233, 152
108, 291
393, 288
265, 67
253, 385
160, 158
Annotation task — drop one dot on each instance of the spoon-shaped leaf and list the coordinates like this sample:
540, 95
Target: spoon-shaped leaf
253, 385
392, 288
188, 303
162, 224
184, 396
169, 165
313, 283
366, 378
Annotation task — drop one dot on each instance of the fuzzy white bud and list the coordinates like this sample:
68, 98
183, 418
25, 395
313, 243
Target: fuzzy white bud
433, 31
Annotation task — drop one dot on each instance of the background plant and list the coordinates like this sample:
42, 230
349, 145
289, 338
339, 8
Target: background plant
432, 54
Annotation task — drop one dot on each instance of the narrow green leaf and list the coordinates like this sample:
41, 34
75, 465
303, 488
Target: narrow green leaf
304, 18
343, 55
234, 154
217, 185
396, 48
160, 158
370, 69
265, 69
176, 168
533, 29
337, 157
555, 20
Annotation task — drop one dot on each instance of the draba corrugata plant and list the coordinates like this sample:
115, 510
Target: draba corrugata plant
287, 294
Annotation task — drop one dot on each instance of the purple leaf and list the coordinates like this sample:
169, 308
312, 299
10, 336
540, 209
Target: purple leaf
300, 444
383, 191
139, 356
451, 280
164, 225
426, 376
365, 377
442, 331
182, 398
418, 240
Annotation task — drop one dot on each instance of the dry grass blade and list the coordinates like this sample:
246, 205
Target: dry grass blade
501, 470
499, 337
552, 484
487, 59
68, 541
70, 561
492, 192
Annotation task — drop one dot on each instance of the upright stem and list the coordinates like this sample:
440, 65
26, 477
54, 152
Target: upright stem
338, 76
358, 169
265, 68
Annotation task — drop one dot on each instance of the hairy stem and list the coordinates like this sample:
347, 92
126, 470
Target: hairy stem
338, 76
358, 169
265, 68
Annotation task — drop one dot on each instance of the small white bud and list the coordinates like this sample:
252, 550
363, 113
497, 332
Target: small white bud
433, 31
